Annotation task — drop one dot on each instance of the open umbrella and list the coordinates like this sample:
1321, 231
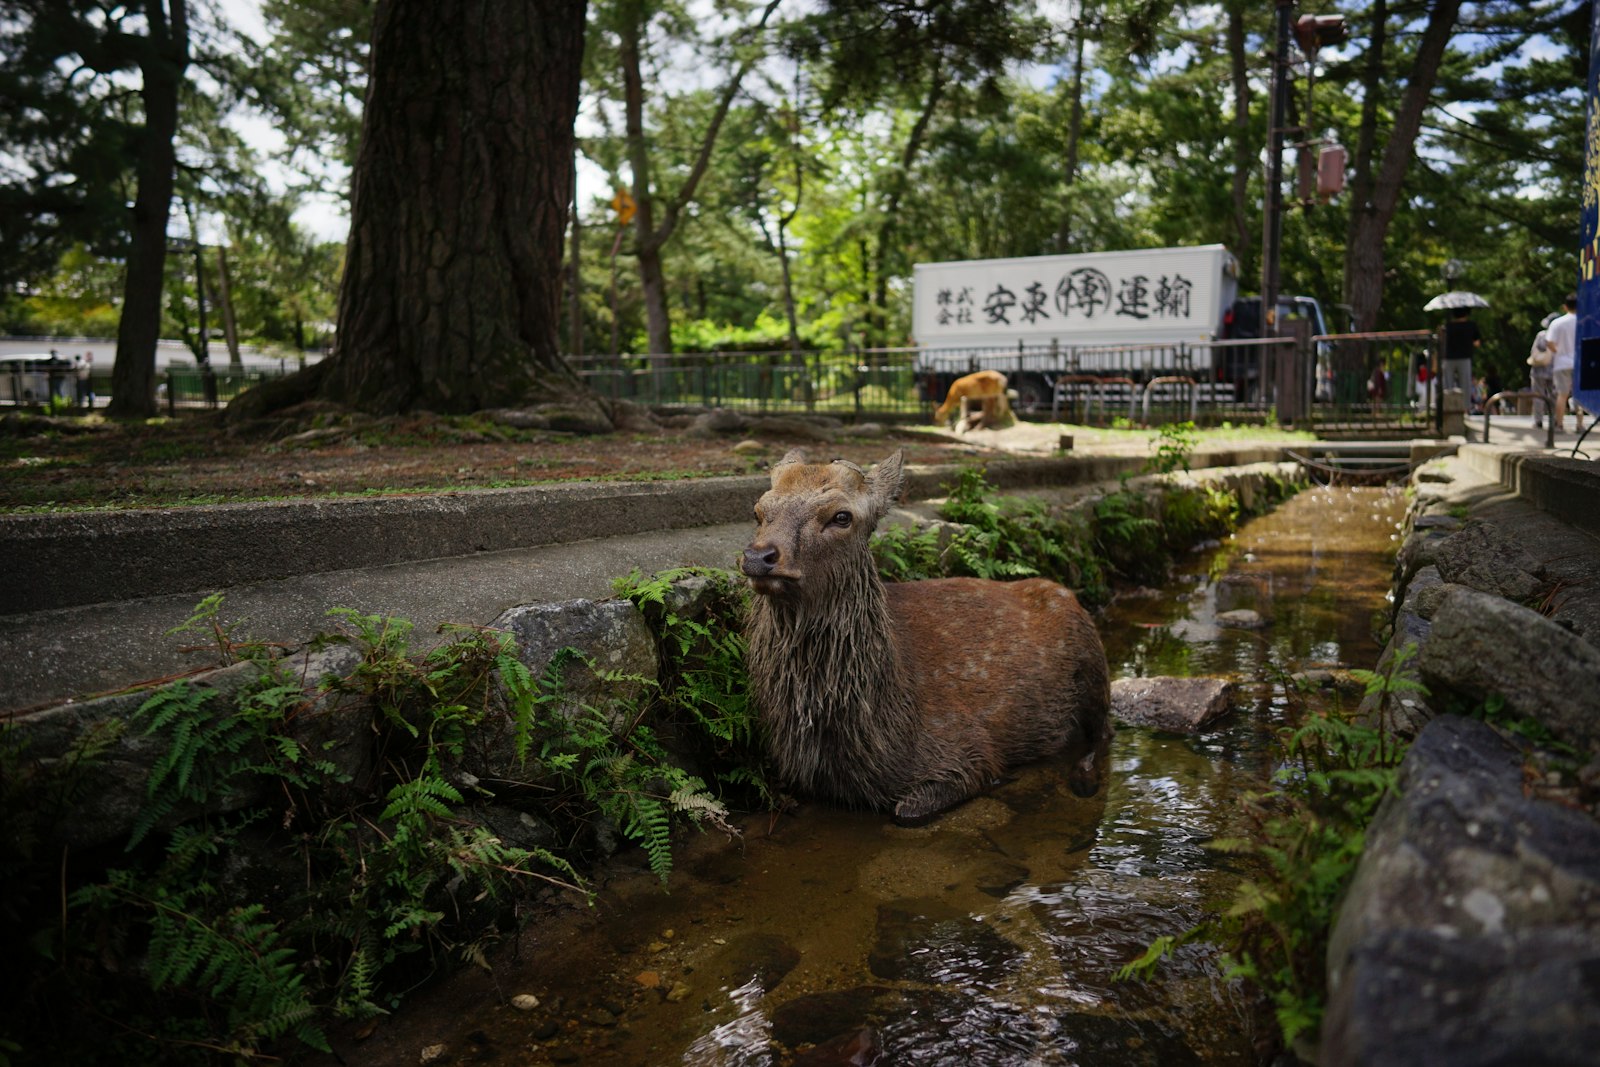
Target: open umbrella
1456, 299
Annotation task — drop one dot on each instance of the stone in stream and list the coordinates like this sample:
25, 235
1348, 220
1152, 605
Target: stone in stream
763, 957
860, 1048
1241, 619
816, 1017
1082, 1037
1177, 705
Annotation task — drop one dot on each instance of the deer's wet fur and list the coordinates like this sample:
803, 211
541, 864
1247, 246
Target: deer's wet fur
910, 697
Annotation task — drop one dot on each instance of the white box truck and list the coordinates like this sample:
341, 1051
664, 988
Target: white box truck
1140, 314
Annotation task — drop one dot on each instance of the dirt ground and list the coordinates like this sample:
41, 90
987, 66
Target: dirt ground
66, 463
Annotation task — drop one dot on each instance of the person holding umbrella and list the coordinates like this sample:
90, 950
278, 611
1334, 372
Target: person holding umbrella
1461, 338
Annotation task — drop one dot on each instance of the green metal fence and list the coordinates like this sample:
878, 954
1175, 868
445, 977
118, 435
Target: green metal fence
878, 383
1328, 378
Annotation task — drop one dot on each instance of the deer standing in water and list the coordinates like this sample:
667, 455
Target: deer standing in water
912, 696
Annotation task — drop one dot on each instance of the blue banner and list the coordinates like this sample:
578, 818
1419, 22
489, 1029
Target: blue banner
1586, 367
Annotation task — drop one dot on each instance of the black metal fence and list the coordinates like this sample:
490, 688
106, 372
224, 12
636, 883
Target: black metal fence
1376, 384
852, 383
1145, 384
1329, 383
188, 389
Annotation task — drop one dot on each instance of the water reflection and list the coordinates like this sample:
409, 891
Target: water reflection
992, 935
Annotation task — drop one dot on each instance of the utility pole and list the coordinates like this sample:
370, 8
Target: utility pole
200, 293
1272, 224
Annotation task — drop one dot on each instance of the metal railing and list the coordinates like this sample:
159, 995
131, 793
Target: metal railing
849, 383
1350, 398
1518, 394
1318, 381
1226, 380
176, 390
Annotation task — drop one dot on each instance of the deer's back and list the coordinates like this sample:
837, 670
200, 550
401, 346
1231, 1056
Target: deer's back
1020, 659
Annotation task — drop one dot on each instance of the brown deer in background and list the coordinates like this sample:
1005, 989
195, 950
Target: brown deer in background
908, 696
987, 388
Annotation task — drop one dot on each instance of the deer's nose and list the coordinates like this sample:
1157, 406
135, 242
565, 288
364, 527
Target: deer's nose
759, 560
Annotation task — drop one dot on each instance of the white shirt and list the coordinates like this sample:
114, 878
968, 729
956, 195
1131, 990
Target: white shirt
1562, 335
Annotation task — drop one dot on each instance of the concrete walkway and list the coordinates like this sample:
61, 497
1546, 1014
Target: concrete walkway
90, 597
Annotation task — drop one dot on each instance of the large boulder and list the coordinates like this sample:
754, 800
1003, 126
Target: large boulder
1481, 646
1178, 705
610, 634
108, 791
1481, 556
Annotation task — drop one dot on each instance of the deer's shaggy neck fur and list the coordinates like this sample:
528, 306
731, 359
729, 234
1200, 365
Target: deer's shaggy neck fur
839, 709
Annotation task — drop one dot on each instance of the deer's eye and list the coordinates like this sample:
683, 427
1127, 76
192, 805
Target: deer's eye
840, 519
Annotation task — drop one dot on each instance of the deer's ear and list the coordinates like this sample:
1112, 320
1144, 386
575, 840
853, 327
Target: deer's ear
886, 482
794, 455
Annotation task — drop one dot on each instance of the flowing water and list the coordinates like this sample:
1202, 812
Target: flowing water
990, 936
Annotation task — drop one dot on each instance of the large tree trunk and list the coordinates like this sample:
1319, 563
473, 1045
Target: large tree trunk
1371, 215
162, 63
451, 296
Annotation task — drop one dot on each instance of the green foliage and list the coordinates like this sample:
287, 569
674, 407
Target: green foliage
382, 879
231, 957
197, 732
1004, 538
704, 681
1129, 536
1192, 513
907, 554
1173, 446
1128, 533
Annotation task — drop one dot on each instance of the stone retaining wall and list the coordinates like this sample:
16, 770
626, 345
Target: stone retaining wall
1472, 928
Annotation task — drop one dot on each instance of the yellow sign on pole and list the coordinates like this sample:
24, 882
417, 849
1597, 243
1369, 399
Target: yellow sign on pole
624, 206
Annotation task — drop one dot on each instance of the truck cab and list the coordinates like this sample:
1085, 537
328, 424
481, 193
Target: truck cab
1243, 320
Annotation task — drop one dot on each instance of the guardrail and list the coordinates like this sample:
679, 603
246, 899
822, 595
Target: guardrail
1518, 394
1347, 397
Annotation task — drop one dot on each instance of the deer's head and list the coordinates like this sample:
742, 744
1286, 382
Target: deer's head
815, 520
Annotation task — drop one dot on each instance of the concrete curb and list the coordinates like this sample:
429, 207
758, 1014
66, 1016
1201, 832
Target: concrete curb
1567, 489
73, 559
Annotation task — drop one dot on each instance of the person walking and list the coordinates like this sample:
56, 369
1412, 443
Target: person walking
1539, 356
1461, 339
1562, 337
80, 372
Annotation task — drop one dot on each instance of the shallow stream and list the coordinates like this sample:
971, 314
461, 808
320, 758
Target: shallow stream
989, 937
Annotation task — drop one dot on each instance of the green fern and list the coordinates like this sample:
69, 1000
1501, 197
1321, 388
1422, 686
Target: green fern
421, 797
203, 746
